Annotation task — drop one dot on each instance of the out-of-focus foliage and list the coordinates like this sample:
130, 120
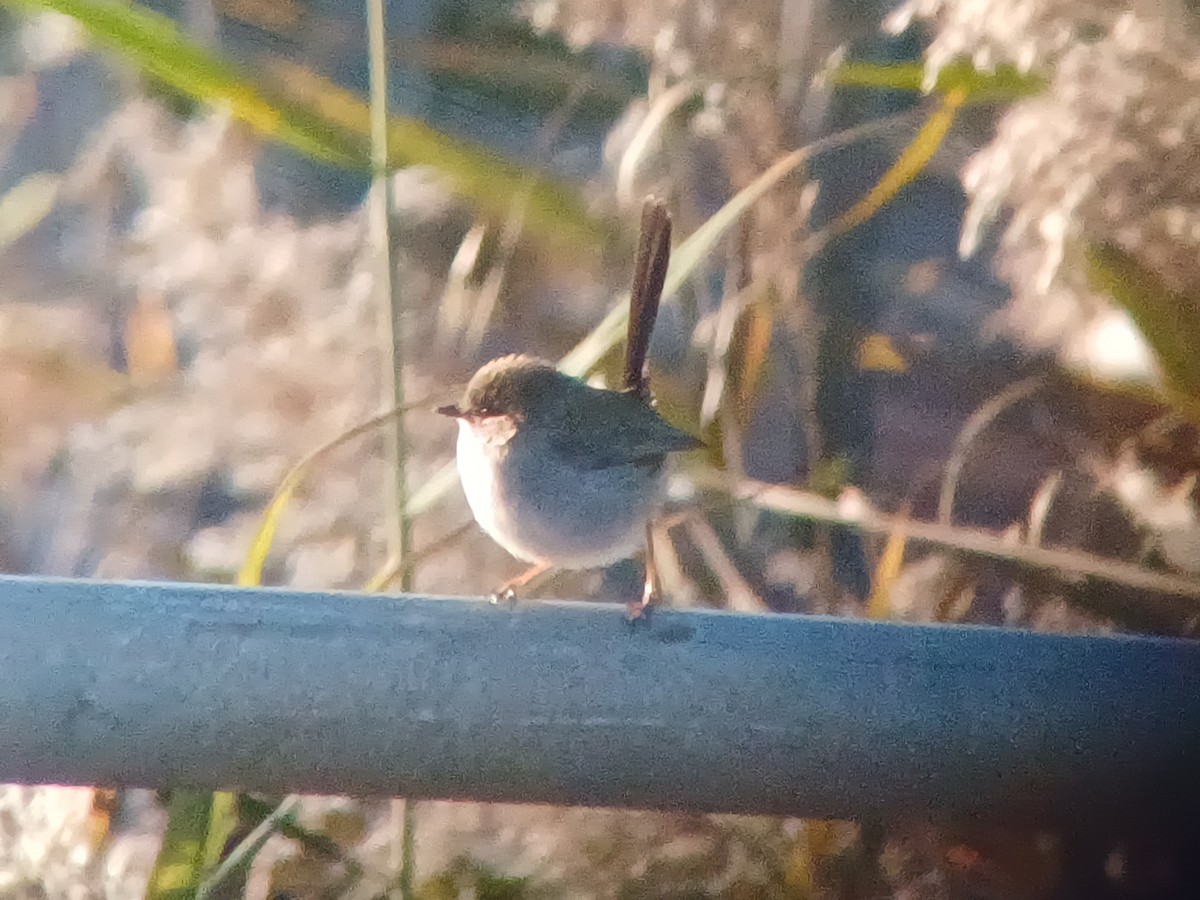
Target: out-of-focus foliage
1104, 156
482, 47
324, 121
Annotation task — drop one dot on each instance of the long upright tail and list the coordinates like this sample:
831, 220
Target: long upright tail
650, 271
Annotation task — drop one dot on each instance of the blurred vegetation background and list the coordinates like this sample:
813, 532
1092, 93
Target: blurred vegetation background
935, 273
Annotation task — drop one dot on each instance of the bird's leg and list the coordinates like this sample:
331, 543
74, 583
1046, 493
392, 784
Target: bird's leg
652, 592
508, 591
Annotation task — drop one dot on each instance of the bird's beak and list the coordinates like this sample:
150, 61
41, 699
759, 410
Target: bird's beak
452, 411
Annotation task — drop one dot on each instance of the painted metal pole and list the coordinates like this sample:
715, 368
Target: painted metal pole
166, 684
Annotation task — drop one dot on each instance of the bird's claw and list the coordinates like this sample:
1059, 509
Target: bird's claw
639, 610
505, 595
637, 614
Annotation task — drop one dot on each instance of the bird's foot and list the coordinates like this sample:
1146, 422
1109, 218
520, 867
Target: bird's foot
507, 593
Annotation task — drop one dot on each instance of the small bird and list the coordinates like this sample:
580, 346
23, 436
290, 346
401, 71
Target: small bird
562, 474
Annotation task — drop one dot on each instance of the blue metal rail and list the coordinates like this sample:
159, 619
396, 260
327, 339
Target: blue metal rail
169, 684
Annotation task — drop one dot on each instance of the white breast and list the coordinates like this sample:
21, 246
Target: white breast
478, 477
540, 509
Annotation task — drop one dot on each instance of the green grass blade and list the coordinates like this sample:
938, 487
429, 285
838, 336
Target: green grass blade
1169, 320
197, 822
155, 45
1005, 83
908, 165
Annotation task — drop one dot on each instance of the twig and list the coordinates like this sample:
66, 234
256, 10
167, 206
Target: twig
250, 574
250, 845
1064, 564
656, 116
395, 567
1039, 507
399, 524
971, 430
488, 294
739, 595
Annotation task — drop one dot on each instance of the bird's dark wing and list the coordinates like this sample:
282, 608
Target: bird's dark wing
642, 435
